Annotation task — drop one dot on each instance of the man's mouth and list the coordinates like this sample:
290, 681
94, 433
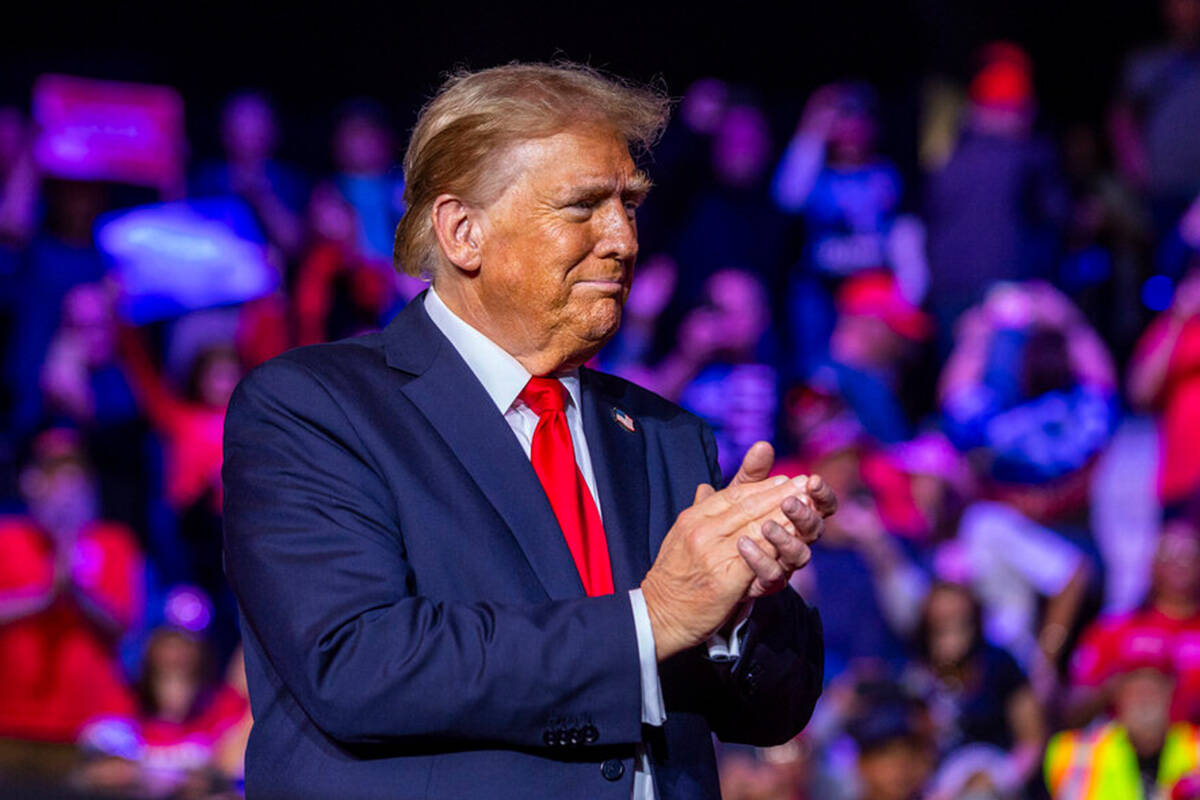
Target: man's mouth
603, 284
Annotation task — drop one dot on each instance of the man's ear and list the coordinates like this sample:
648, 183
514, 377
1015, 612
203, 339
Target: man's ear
456, 226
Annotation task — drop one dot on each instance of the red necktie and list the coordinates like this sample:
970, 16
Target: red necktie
553, 457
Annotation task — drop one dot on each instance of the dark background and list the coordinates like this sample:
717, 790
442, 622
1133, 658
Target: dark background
313, 57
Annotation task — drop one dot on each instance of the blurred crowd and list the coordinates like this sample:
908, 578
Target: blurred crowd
990, 347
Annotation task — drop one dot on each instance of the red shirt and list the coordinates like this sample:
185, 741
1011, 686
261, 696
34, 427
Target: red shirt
57, 668
1111, 641
1179, 425
192, 431
168, 751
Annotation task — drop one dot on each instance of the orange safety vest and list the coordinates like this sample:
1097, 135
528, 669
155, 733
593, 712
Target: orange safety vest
1099, 763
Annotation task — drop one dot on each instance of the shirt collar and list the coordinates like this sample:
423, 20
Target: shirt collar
502, 376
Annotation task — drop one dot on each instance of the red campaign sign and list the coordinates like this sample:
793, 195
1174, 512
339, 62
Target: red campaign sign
108, 131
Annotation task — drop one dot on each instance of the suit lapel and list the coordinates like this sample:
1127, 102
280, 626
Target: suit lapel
456, 405
619, 464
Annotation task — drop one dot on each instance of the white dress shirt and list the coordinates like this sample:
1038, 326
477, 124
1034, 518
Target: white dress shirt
503, 378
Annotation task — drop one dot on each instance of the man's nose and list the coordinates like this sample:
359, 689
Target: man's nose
617, 233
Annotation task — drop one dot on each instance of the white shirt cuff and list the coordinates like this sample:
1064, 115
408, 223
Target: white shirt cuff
722, 648
653, 710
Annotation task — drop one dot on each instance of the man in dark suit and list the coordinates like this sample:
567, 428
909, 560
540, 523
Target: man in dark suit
469, 566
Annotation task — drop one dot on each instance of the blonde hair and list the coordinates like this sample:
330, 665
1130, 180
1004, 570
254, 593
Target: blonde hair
476, 116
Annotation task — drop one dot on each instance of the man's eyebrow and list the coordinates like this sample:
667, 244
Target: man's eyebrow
638, 184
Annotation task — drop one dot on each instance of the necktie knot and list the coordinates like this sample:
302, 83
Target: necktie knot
544, 395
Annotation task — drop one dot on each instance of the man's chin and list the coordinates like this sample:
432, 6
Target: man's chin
604, 317
597, 324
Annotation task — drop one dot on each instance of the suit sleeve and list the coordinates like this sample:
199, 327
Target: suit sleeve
315, 555
767, 695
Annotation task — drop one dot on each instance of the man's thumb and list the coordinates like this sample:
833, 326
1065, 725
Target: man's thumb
756, 465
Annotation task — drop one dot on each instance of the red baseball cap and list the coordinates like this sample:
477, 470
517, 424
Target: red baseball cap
1005, 77
875, 294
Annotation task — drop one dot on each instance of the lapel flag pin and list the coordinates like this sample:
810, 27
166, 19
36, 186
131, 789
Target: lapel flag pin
624, 420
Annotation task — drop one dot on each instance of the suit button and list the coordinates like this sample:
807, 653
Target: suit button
548, 738
590, 734
612, 770
576, 737
563, 738
750, 679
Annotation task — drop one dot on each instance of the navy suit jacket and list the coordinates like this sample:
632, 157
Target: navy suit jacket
414, 624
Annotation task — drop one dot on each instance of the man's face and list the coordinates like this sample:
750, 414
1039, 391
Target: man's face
557, 247
895, 771
1142, 702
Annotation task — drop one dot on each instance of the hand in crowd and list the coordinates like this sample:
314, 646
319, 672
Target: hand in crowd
742, 542
1186, 303
1189, 224
701, 336
655, 284
1008, 305
820, 113
1051, 308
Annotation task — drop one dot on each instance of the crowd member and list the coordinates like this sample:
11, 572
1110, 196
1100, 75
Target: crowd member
1179, 246
249, 170
190, 424
363, 148
922, 487
683, 164
867, 587
996, 209
636, 345
18, 186
185, 721
895, 749
1164, 377
338, 291
731, 223
1030, 389
849, 197
1107, 242
772, 773
84, 381
978, 694
61, 255
870, 737
874, 340
71, 584
1158, 98
18, 200
1031, 581
721, 368
1138, 753
1170, 619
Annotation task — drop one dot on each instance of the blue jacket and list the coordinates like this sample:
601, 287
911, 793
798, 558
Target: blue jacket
414, 624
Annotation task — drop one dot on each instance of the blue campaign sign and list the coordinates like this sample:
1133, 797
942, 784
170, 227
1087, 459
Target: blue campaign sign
171, 258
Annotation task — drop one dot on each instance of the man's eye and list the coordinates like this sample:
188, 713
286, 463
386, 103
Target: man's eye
585, 205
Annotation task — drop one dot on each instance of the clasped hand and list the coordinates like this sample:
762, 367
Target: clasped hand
732, 545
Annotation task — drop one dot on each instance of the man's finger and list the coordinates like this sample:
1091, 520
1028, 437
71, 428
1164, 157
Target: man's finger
767, 570
756, 464
703, 491
793, 552
824, 500
808, 523
758, 501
